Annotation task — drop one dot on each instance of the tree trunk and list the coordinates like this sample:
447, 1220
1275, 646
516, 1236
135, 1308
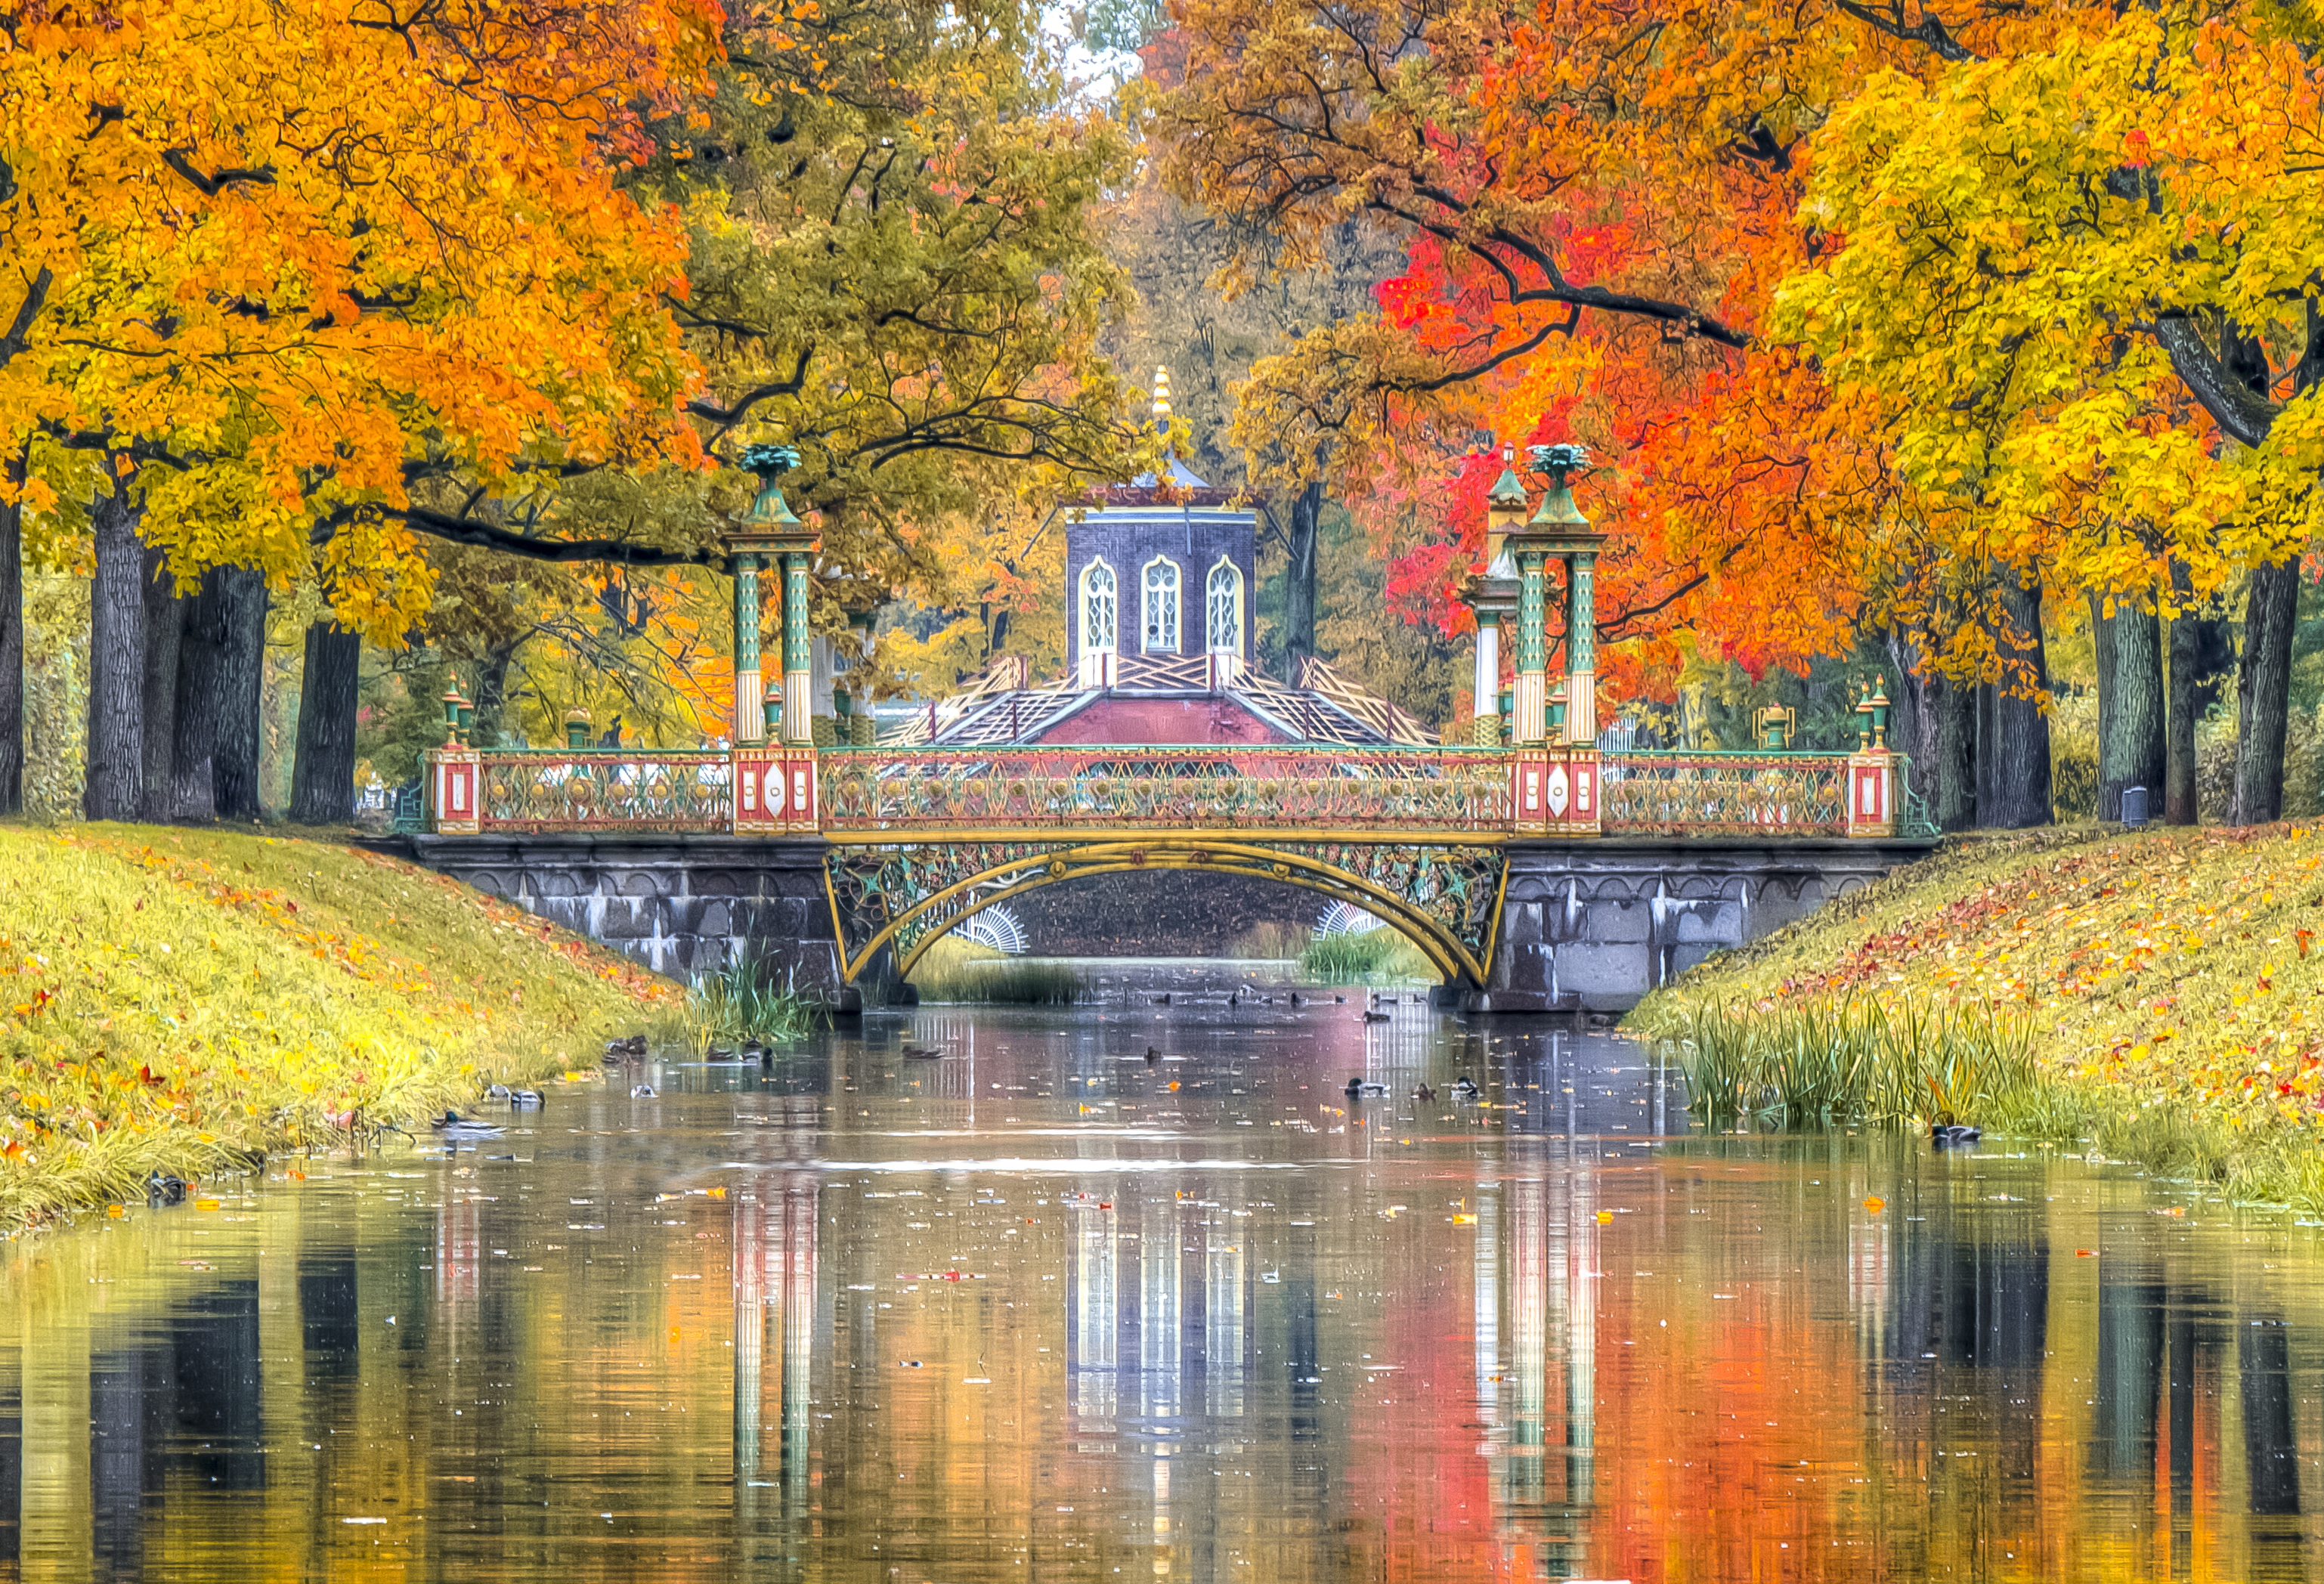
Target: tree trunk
2132, 754
1957, 755
241, 722
201, 701
12, 651
165, 619
2197, 646
323, 775
492, 698
1917, 708
116, 661
2102, 655
2263, 693
2019, 780
1299, 582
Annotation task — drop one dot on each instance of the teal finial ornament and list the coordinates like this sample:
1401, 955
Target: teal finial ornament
769, 463
1560, 461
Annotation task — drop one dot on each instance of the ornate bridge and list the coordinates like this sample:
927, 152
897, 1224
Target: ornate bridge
1532, 869
911, 841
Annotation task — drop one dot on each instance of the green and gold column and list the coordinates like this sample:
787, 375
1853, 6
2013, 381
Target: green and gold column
746, 647
799, 652
1531, 724
1580, 646
776, 778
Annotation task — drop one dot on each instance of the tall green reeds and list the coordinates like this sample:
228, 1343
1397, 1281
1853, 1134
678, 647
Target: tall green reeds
1373, 957
742, 1004
1857, 1061
954, 970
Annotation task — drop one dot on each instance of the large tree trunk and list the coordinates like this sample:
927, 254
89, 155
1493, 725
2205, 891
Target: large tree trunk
2132, 753
116, 661
2263, 693
1917, 702
1299, 581
492, 698
202, 666
241, 721
12, 651
2018, 781
2199, 653
165, 619
1957, 755
323, 775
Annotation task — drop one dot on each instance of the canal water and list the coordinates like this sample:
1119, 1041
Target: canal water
1040, 1309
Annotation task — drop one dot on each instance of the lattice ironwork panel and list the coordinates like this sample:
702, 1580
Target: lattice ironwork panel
900, 895
1109, 787
615, 791
1724, 794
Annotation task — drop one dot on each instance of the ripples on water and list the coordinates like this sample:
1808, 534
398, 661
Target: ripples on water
1040, 1310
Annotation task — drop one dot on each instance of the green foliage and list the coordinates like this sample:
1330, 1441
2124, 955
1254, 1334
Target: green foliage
1273, 941
56, 694
959, 970
740, 1004
1379, 956
1851, 1060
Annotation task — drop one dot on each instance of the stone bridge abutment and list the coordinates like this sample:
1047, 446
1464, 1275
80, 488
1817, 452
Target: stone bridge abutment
1578, 925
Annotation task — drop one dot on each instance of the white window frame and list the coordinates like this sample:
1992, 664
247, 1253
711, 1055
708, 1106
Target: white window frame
1147, 604
1233, 645
1104, 642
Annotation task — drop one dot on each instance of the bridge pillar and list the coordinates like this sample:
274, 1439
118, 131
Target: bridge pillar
747, 711
1592, 927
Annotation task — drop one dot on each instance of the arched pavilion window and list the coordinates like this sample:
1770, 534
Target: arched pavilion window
1222, 613
1098, 608
1161, 606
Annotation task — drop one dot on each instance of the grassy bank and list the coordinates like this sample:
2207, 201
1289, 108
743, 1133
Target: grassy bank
2164, 986
967, 972
1379, 956
183, 1000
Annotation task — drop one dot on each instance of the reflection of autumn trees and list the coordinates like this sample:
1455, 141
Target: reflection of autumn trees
1434, 1365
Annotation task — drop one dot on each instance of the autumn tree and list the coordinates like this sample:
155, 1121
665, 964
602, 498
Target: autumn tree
1602, 210
315, 281
2103, 248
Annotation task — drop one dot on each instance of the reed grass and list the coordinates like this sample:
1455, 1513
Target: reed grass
187, 1002
2169, 985
1852, 1061
967, 972
1379, 956
1273, 941
742, 1004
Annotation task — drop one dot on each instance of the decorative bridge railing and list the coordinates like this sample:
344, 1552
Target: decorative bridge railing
863, 793
648, 791
1725, 794
1438, 790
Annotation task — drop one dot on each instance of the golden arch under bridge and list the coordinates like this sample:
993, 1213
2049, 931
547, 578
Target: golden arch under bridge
899, 895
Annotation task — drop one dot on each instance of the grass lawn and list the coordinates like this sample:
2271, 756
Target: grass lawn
2169, 984
187, 1000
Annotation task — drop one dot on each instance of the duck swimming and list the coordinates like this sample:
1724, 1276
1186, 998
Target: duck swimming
644, 1091
1954, 1135
1464, 1087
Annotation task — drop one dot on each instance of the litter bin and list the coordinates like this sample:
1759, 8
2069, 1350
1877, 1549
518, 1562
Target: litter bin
2133, 807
